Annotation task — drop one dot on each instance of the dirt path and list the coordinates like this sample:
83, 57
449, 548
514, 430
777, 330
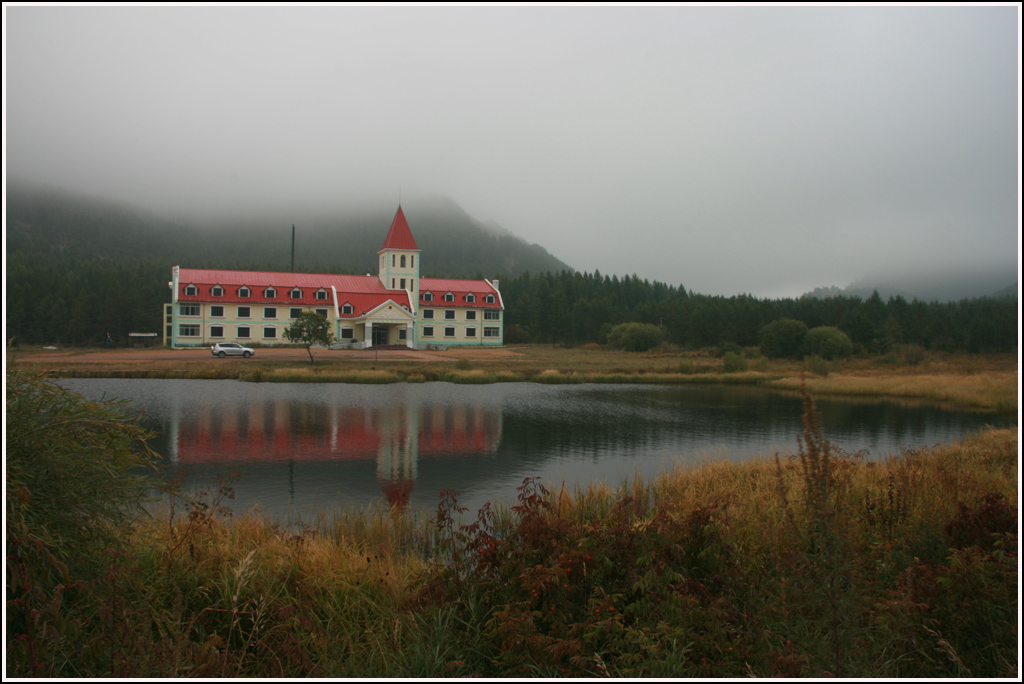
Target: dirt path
143, 356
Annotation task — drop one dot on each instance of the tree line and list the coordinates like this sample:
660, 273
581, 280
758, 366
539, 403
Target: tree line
76, 301
577, 308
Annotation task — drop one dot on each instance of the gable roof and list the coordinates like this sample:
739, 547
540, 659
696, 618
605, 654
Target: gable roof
399, 235
363, 292
460, 288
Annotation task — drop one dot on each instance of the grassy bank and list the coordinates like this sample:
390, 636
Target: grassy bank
972, 381
815, 564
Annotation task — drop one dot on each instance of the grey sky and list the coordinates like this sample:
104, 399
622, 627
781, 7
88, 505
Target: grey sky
767, 150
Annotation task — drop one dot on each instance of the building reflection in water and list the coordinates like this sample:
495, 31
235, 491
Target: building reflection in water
395, 436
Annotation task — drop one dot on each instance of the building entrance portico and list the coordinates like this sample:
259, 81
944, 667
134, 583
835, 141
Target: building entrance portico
388, 324
380, 335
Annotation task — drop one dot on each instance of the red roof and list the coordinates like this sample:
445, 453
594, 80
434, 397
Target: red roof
439, 287
364, 293
399, 236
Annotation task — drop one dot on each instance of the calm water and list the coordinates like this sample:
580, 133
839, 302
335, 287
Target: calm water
303, 447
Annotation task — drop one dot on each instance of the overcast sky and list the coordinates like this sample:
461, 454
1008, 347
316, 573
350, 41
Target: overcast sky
766, 150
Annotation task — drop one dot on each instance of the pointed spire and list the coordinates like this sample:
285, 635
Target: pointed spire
399, 236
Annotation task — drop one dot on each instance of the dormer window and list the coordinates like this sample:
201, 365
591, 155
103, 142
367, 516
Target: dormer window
347, 309
217, 291
191, 290
470, 298
321, 295
449, 297
428, 296
296, 293
489, 299
244, 293
270, 293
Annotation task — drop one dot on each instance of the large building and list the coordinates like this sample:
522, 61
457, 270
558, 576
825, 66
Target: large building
395, 307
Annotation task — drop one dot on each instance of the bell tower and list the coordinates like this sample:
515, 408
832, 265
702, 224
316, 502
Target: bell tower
399, 258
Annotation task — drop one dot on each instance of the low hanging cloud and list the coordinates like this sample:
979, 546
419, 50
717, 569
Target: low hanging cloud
767, 150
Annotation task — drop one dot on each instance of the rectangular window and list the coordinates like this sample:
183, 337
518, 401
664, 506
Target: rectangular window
492, 332
244, 292
348, 333
428, 314
170, 330
471, 315
470, 331
243, 312
270, 312
243, 332
428, 331
170, 319
295, 313
402, 283
270, 333
449, 331
217, 291
270, 293
492, 315
322, 312
188, 310
217, 311
401, 333
321, 295
449, 314
216, 331
191, 290
188, 330
296, 294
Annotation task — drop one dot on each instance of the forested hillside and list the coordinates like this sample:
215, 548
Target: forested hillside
79, 268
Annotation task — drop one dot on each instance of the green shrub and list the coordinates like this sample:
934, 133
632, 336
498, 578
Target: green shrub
913, 354
734, 363
635, 336
71, 497
828, 343
818, 366
782, 338
71, 464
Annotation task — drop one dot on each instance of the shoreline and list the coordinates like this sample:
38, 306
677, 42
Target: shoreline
969, 382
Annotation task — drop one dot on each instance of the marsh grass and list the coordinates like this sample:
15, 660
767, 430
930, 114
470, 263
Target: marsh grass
990, 390
820, 563
971, 381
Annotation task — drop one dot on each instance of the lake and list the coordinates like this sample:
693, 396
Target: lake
307, 447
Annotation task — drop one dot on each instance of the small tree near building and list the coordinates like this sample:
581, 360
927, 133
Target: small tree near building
308, 329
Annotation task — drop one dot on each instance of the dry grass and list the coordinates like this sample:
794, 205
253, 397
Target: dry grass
991, 389
976, 381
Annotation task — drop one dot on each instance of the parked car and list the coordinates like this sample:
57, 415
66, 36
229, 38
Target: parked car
223, 349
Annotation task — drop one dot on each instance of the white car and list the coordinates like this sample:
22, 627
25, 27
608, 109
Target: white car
223, 349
